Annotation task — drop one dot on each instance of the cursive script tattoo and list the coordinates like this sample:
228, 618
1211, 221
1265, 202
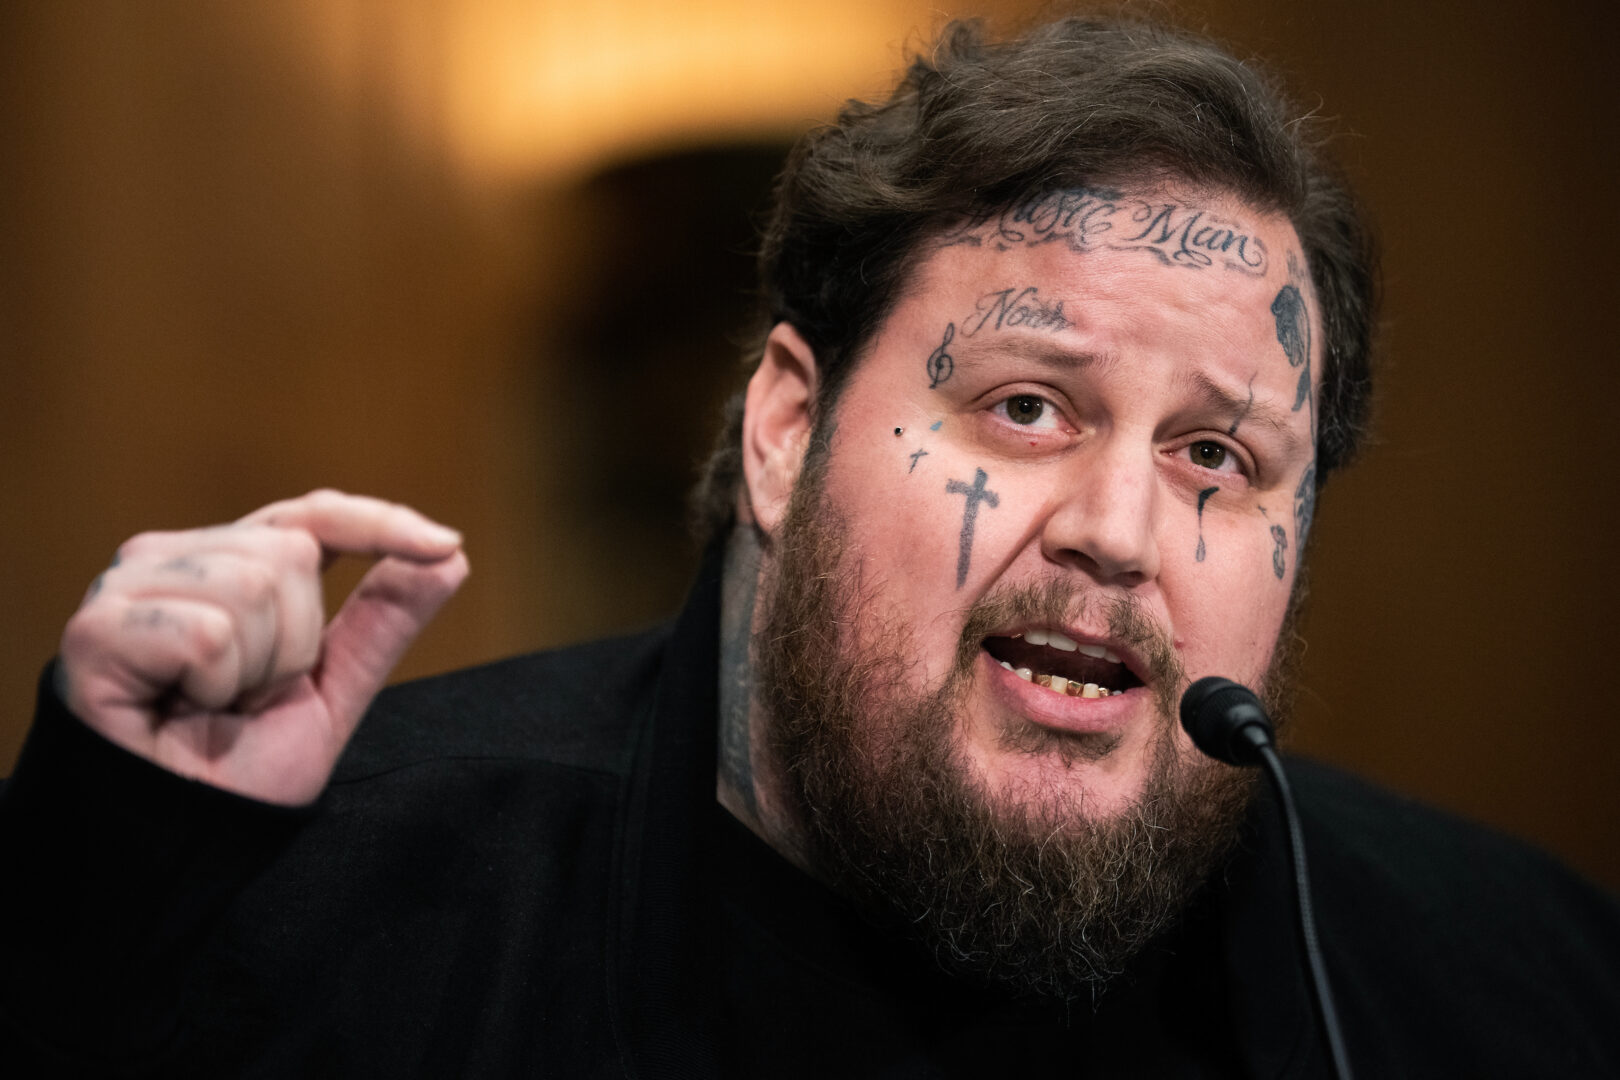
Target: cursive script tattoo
1203, 497
1279, 563
1091, 218
915, 455
1015, 307
940, 364
976, 494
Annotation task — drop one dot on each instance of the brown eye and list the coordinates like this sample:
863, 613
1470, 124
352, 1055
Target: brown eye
1025, 409
1211, 455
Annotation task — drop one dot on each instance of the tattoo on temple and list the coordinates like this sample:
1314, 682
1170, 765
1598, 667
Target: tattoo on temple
914, 456
1293, 319
1090, 218
976, 494
1294, 334
1304, 505
1015, 307
940, 364
1279, 563
1203, 497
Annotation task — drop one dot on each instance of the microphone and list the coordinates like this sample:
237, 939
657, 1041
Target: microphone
1227, 722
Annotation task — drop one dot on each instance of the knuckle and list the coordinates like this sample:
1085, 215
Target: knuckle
87, 632
300, 551
209, 637
256, 583
136, 546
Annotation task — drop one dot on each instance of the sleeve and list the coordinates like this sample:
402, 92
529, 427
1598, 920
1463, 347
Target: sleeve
112, 873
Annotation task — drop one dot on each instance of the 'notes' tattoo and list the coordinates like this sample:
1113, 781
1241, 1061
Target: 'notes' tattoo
940, 364
1203, 497
976, 494
1091, 218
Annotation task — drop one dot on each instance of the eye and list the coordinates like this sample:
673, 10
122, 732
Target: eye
1213, 456
1028, 410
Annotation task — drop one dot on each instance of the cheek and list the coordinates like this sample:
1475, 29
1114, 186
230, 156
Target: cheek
1228, 627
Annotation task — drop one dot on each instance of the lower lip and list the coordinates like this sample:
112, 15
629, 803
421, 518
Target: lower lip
1050, 709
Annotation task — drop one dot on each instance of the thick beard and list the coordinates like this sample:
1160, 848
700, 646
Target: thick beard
1024, 888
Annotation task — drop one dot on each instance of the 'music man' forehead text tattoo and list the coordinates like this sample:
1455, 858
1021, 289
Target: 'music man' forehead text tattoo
1090, 218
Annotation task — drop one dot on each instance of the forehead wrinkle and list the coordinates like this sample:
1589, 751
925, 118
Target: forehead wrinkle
1039, 349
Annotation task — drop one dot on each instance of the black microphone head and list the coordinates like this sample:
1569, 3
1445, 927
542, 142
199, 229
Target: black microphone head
1225, 720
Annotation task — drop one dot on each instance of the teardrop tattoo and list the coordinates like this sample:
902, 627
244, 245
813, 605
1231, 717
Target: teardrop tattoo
1203, 497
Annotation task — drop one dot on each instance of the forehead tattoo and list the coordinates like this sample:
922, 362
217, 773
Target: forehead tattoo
1086, 218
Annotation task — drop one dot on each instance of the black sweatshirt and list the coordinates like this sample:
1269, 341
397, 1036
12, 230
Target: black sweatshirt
520, 870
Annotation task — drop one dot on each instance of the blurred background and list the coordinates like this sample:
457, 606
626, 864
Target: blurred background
489, 257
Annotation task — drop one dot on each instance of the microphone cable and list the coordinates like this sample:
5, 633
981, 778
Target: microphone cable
1227, 722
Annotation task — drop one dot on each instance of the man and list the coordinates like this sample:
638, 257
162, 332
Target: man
1063, 339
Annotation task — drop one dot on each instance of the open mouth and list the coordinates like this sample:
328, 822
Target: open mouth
1061, 664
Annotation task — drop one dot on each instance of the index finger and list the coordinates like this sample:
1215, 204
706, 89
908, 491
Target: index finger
360, 525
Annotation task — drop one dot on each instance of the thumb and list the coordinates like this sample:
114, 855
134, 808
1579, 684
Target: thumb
377, 623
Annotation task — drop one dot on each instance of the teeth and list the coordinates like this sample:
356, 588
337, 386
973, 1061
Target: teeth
1006, 665
1060, 684
1089, 690
1025, 674
1065, 643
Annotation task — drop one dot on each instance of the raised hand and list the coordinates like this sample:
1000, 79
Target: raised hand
204, 650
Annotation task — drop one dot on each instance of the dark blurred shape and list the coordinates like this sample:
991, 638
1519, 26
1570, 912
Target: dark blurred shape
650, 347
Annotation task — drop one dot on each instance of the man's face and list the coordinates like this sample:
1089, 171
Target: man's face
1073, 455
1116, 404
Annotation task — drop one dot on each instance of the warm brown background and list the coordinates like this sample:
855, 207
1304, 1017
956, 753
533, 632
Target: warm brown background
481, 257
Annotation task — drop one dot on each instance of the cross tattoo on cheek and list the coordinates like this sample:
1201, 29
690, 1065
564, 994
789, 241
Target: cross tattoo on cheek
975, 495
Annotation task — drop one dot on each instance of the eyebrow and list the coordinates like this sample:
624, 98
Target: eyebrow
1241, 410
1047, 354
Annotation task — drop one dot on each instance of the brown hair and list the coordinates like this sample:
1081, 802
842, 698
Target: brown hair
978, 126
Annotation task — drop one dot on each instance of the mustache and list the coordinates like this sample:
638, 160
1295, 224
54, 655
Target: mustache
1060, 601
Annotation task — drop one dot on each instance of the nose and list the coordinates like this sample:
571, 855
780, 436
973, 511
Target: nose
1104, 519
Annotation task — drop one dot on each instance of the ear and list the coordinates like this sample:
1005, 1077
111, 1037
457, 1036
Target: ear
776, 424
